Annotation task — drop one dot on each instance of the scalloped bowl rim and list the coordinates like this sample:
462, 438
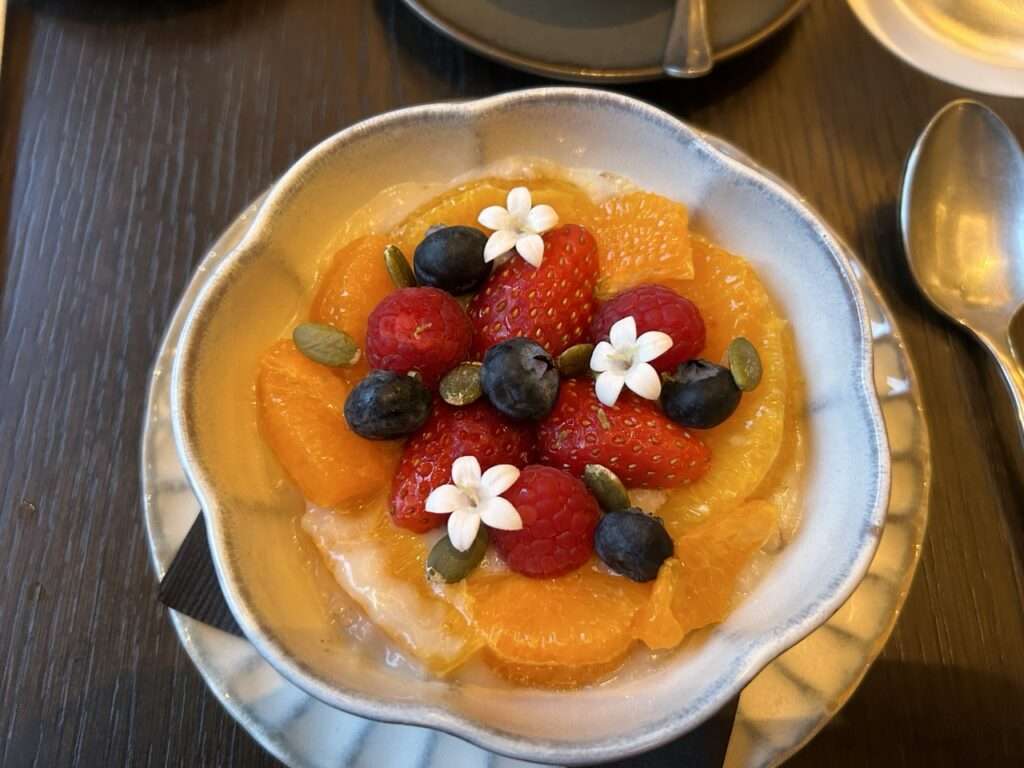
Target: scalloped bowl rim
672, 725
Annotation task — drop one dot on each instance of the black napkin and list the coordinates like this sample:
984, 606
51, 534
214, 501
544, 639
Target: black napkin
190, 586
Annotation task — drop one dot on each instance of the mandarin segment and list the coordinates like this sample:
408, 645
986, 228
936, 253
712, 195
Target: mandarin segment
655, 623
734, 303
382, 570
301, 411
582, 619
463, 205
642, 238
352, 287
711, 557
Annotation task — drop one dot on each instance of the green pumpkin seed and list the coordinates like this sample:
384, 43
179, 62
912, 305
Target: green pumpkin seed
461, 385
605, 486
744, 363
448, 565
326, 345
398, 267
575, 361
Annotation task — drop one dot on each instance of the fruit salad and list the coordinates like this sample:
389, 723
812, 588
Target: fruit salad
539, 427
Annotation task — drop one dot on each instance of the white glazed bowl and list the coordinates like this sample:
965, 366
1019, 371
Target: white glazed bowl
250, 510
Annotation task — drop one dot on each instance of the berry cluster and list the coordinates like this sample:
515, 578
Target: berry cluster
503, 416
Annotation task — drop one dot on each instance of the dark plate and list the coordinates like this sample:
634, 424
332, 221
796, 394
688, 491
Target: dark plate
596, 40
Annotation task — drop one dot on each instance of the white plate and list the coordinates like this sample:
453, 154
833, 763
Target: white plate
779, 711
976, 44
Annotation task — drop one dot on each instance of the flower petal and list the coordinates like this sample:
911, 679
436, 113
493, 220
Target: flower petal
445, 499
462, 529
498, 479
651, 345
499, 513
531, 248
644, 380
623, 333
600, 359
495, 217
500, 242
608, 387
466, 472
518, 204
541, 218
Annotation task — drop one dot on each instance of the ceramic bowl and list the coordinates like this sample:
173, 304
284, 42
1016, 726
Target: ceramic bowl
262, 561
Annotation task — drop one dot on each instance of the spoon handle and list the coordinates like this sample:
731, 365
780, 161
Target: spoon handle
1012, 373
688, 50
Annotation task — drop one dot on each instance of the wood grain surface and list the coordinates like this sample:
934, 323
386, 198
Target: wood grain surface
132, 133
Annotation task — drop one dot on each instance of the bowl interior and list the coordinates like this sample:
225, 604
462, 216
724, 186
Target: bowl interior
252, 511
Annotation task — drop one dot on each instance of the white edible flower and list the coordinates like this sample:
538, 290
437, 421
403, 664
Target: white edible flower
519, 225
473, 498
625, 360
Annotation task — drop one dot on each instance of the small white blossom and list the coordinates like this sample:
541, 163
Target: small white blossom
519, 225
473, 498
624, 360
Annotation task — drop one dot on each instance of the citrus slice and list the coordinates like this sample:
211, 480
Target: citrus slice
462, 206
641, 238
711, 557
734, 303
354, 284
382, 568
554, 632
301, 412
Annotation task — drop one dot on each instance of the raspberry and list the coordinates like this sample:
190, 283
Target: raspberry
418, 329
655, 308
559, 517
632, 438
551, 304
474, 430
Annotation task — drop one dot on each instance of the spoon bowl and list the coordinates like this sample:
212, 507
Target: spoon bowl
962, 218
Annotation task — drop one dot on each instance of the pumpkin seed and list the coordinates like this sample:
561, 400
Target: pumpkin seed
605, 486
448, 565
398, 267
575, 361
461, 385
744, 363
326, 345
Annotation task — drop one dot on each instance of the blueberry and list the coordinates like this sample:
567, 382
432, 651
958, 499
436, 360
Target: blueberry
386, 404
452, 259
633, 543
520, 379
700, 394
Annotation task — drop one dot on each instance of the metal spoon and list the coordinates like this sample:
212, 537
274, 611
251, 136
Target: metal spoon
688, 50
962, 216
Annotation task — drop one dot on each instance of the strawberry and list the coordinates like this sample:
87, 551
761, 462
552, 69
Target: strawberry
551, 304
632, 438
559, 517
655, 308
418, 329
474, 430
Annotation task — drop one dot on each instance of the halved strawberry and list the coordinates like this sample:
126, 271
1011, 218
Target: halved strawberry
474, 430
551, 304
633, 438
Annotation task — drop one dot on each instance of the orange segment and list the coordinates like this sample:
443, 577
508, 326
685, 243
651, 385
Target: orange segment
655, 623
462, 206
641, 238
381, 567
734, 303
540, 629
301, 409
346, 295
711, 557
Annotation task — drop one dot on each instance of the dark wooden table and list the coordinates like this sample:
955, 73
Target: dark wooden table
131, 138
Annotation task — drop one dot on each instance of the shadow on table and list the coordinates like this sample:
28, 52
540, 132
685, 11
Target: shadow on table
446, 60
115, 10
909, 714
